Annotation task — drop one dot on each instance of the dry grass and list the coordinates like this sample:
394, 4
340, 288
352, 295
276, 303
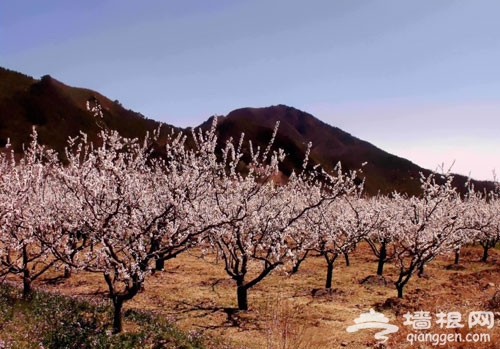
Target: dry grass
284, 313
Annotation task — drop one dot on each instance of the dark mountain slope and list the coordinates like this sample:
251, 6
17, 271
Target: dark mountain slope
58, 111
384, 172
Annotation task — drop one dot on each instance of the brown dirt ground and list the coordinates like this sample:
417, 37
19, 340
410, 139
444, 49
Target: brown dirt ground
198, 295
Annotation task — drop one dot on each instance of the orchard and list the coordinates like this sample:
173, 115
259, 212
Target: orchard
117, 209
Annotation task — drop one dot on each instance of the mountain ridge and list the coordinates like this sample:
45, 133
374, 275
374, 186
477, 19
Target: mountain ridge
59, 111
384, 172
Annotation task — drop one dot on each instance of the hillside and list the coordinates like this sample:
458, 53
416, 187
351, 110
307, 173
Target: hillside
384, 172
59, 111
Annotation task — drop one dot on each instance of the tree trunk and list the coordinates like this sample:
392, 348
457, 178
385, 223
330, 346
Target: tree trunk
421, 270
381, 259
380, 267
329, 275
485, 253
400, 290
119, 299
296, 265
160, 264
457, 255
346, 256
27, 288
67, 272
242, 294
117, 317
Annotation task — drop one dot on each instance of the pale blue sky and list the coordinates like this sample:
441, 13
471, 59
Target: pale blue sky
420, 79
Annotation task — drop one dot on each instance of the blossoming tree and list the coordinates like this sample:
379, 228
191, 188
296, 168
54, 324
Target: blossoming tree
26, 188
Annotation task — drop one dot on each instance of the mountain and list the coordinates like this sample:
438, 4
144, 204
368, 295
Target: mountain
383, 172
59, 111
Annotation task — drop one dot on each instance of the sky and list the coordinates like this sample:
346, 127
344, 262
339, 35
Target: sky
419, 79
